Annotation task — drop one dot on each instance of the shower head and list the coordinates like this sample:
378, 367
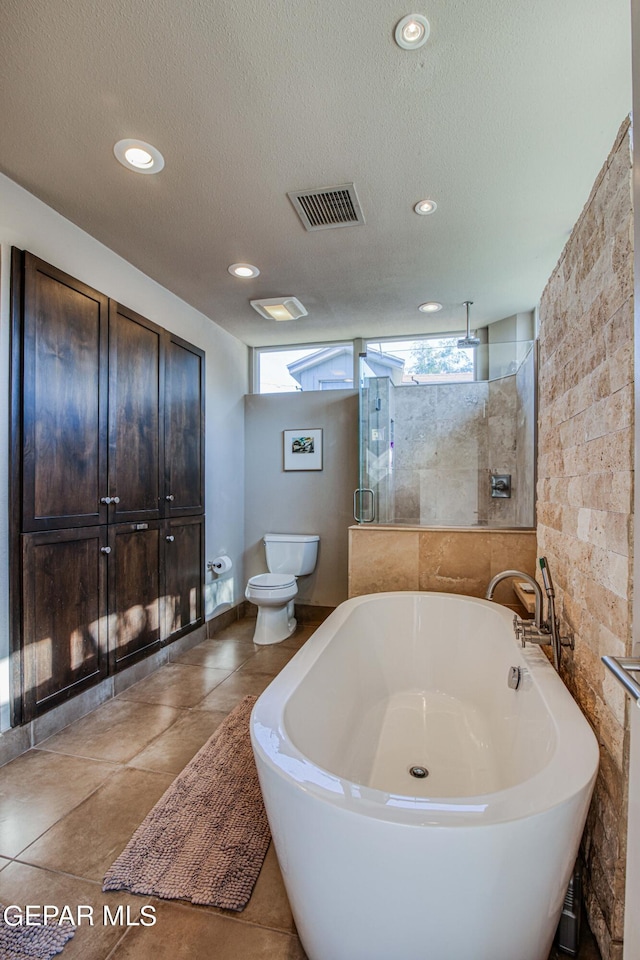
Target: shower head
468, 341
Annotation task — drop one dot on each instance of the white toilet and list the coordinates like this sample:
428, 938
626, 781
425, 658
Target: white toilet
289, 555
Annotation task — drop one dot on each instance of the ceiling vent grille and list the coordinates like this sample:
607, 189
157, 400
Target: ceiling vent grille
328, 207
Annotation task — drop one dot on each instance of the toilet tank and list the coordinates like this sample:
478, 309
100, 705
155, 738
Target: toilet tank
294, 553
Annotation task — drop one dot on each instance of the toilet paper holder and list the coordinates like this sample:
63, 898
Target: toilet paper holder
220, 565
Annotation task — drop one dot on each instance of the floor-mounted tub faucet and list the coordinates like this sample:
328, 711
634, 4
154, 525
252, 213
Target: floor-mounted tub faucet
540, 632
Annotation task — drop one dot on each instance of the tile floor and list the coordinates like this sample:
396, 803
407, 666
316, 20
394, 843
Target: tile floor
68, 807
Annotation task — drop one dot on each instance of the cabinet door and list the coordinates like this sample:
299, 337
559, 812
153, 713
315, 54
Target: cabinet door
184, 565
135, 442
64, 400
135, 591
65, 615
184, 429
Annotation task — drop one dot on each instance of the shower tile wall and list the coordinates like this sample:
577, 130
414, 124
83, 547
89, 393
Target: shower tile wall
525, 493
502, 413
377, 424
449, 438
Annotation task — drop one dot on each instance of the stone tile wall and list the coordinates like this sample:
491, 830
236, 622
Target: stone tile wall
525, 480
585, 461
447, 560
448, 440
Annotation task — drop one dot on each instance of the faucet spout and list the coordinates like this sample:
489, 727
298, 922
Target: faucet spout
508, 574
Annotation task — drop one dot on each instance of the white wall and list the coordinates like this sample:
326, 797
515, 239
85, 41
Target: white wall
28, 223
307, 501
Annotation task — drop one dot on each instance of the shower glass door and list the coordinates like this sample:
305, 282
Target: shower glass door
373, 501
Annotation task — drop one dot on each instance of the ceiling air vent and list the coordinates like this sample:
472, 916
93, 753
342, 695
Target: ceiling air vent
328, 207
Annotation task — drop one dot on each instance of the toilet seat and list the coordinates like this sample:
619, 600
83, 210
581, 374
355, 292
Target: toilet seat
272, 581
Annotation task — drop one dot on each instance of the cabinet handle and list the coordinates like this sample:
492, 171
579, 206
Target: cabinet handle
170, 496
105, 500
105, 550
115, 499
170, 539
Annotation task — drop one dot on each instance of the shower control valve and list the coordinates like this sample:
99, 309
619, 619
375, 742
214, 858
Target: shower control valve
501, 485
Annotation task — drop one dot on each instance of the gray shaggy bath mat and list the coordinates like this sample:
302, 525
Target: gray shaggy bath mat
38, 942
206, 838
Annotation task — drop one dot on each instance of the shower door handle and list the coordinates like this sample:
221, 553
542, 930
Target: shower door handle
361, 491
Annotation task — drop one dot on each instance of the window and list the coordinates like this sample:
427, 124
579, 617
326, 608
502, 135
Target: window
318, 367
421, 360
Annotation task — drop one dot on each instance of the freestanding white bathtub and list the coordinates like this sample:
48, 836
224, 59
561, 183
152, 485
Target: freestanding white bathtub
473, 861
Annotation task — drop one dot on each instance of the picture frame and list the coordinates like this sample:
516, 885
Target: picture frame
302, 448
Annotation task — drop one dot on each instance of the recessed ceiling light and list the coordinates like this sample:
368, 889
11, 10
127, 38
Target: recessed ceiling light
432, 306
139, 156
279, 308
412, 31
244, 270
423, 207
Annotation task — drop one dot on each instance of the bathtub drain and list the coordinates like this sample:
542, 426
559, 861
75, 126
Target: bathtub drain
419, 772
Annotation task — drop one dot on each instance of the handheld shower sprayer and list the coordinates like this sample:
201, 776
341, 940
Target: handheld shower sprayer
552, 620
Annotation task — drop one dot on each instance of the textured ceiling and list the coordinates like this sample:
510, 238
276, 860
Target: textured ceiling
504, 118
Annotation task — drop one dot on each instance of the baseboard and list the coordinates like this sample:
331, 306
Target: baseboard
18, 740
227, 618
13, 742
308, 613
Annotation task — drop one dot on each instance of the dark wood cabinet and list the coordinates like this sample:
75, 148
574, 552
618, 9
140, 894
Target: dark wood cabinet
64, 410
65, 614
184, 559
184, 429
136, 593
136, 454
107, 500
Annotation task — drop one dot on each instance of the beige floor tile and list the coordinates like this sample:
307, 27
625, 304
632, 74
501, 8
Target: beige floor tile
116, 731
4, 863
231, 691
87, 841
299, 638
221, 654
269, 661
269, 904
176, 685
37, 789
21, 885
172, 750
192, 933
242, 631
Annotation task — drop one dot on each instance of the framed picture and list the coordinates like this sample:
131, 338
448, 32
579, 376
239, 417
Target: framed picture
303, 449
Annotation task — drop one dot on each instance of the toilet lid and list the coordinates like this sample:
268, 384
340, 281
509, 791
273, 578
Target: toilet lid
272, 581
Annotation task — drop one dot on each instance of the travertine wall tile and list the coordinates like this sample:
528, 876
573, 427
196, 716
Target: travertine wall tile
584, 491
447, 560
382, 559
